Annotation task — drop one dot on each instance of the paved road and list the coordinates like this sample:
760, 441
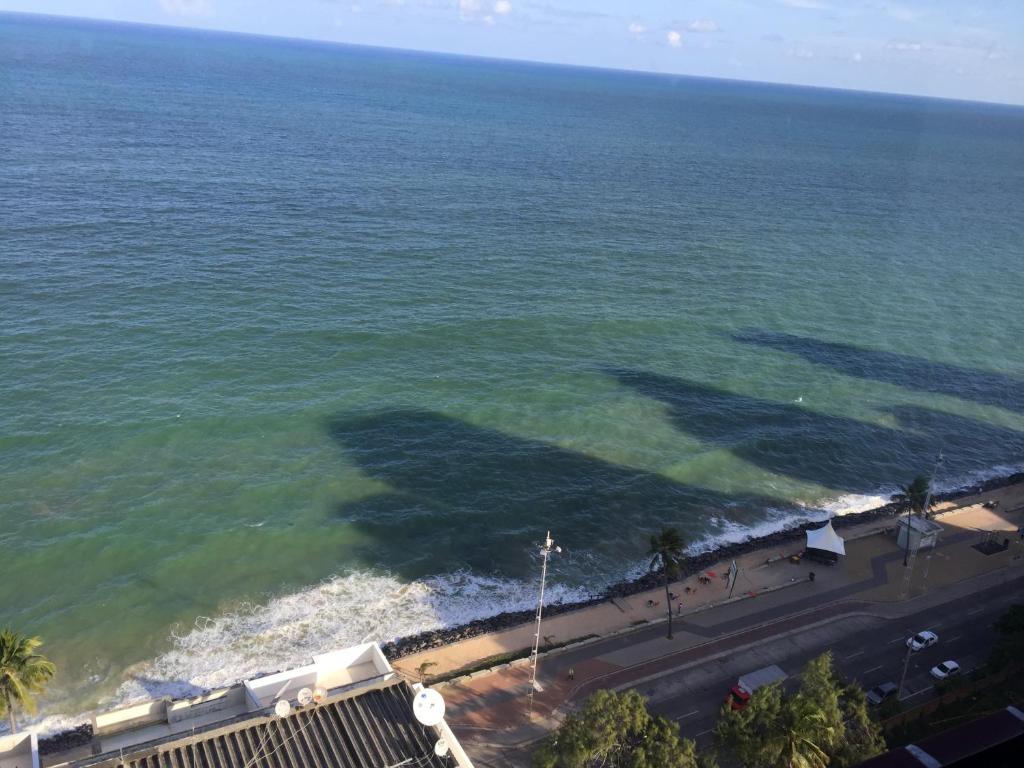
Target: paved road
868, 649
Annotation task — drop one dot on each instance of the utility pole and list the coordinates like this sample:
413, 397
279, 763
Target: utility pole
545, 552
903, 677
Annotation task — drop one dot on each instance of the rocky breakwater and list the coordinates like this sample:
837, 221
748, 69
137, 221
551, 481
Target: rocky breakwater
65, 741
690, 566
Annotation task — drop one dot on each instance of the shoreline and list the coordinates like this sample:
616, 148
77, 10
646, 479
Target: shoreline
58, 740
691, 565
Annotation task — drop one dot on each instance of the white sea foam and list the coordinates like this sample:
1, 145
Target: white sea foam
360, 606
350, 609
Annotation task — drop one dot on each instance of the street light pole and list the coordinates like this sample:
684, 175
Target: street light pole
545, 552
903, 677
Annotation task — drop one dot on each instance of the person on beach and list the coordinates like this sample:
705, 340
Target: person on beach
572, 673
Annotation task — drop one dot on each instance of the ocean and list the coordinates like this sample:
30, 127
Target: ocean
304, 344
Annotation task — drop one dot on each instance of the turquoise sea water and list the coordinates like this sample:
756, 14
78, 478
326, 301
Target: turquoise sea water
305, 344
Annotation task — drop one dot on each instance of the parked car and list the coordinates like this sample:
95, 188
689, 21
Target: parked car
945, 670
922, 640
880, 693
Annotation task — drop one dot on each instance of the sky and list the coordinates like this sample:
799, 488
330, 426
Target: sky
966, 49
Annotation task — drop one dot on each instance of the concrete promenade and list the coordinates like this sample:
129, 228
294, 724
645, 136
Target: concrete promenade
773, 597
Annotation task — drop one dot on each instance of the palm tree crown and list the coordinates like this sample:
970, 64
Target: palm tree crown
917, 493
666, 551
23, 672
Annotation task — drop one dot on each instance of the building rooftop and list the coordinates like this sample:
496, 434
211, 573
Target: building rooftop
347, 709
366, 729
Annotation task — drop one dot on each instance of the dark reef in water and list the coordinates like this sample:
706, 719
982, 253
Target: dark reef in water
424, 641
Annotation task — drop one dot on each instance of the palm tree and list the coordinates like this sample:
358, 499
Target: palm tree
916, 495
804, 730
666, 551
23, 672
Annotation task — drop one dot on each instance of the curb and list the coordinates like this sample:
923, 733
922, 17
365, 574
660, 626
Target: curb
615, 633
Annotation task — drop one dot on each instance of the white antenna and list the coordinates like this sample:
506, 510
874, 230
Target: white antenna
428, 707
545, 551
305, 697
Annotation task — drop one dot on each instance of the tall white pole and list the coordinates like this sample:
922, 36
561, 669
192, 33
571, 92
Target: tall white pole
545, 552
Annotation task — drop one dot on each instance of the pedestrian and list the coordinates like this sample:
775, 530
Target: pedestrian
811, 575
572, 673
679, 608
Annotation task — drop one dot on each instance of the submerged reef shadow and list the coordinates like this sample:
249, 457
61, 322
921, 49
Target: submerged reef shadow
466, 497
832, 451
905, 371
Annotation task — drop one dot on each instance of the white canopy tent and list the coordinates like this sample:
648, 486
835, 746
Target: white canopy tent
827, 539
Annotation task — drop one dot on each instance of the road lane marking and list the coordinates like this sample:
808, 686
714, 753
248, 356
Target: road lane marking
954, 638
703, 733
895, 640
873, 669
976, 610
690, 714
853, 655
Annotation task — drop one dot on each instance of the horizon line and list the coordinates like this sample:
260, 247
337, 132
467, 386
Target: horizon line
501, 59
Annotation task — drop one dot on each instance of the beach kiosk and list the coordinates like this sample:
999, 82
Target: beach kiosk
824, 545
923, 533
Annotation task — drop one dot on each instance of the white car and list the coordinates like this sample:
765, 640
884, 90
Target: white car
945, 670
922, 640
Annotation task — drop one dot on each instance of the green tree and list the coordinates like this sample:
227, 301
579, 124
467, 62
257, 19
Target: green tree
614, 730
916, 494
862, 735
666, 553
23, 673
748, 733
1010, 646
819, 686
803, 735
824, 724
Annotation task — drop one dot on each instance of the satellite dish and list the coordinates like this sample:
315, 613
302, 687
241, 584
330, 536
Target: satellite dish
305, 697
428, 707
441, 748
319, 694
282, 708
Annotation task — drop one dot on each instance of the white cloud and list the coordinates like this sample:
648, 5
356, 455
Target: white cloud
636, 28
800, 52
186, 7
903, 45
481, 11
813, 4
902, 13
674, 38
702, 25
857, 57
